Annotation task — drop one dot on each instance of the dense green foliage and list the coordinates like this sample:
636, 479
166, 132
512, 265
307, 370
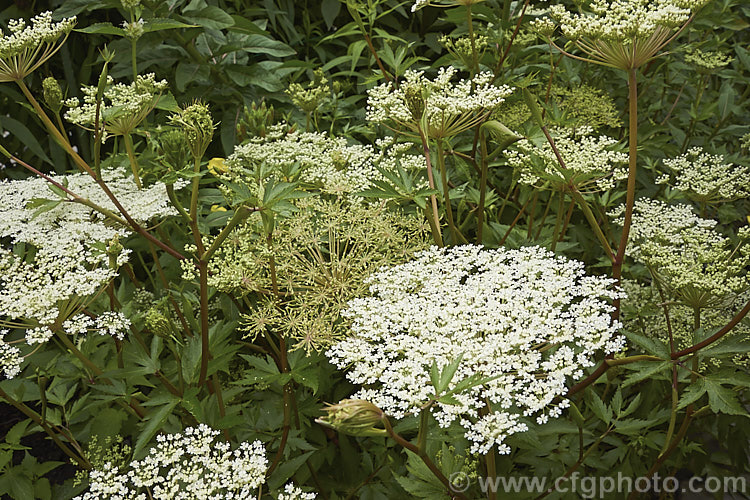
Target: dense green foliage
284, 194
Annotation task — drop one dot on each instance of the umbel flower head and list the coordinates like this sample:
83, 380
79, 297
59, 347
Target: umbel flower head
591, 164
322, 254
695, 263
25, 48
327, 163
193, 463
622, 34
123, 107
69, 263
438, 108
197, 125
707, 178
524, 321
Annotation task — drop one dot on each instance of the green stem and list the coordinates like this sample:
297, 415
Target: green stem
482, 186
491, 472
133, 160
593, 222
422, 455
457, 236
80, 459
472, 39
558, 221
133, 54
435, 225
632, 171
239, 215
424, 422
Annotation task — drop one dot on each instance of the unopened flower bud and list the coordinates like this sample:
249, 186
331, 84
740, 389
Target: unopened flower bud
52, 94
355, 417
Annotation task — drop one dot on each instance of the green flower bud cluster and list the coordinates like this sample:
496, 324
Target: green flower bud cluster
310, 99
197, 126
53, 95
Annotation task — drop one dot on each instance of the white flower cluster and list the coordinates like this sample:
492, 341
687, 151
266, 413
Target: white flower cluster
23, 38
624, 20
449, 108
123, 106
111, 323
188, 466
525, 318
10, 357
327, 162
708, 178
292, 492
591, 163
38, 335
692, 260
68, 262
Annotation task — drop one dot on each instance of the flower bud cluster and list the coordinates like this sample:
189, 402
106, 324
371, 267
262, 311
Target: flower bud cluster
328, 163
707, 178
693, 261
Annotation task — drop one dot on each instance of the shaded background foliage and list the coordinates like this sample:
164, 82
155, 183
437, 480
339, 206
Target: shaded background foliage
241, 53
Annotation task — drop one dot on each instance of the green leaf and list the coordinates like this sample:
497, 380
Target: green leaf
692, 394
330, 10
21, 487
107, 422
163, 23
192, 404
102, 29
211, 17
632, 406
602, 411
14, 435
722, 399
23, 134
649, 345
421, 482
435, 376
154, 423
448, 372
286, 470
260, 44
643, 370
42, 489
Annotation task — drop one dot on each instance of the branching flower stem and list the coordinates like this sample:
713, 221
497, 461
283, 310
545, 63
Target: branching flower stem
422, 454
36, 418
65, 144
